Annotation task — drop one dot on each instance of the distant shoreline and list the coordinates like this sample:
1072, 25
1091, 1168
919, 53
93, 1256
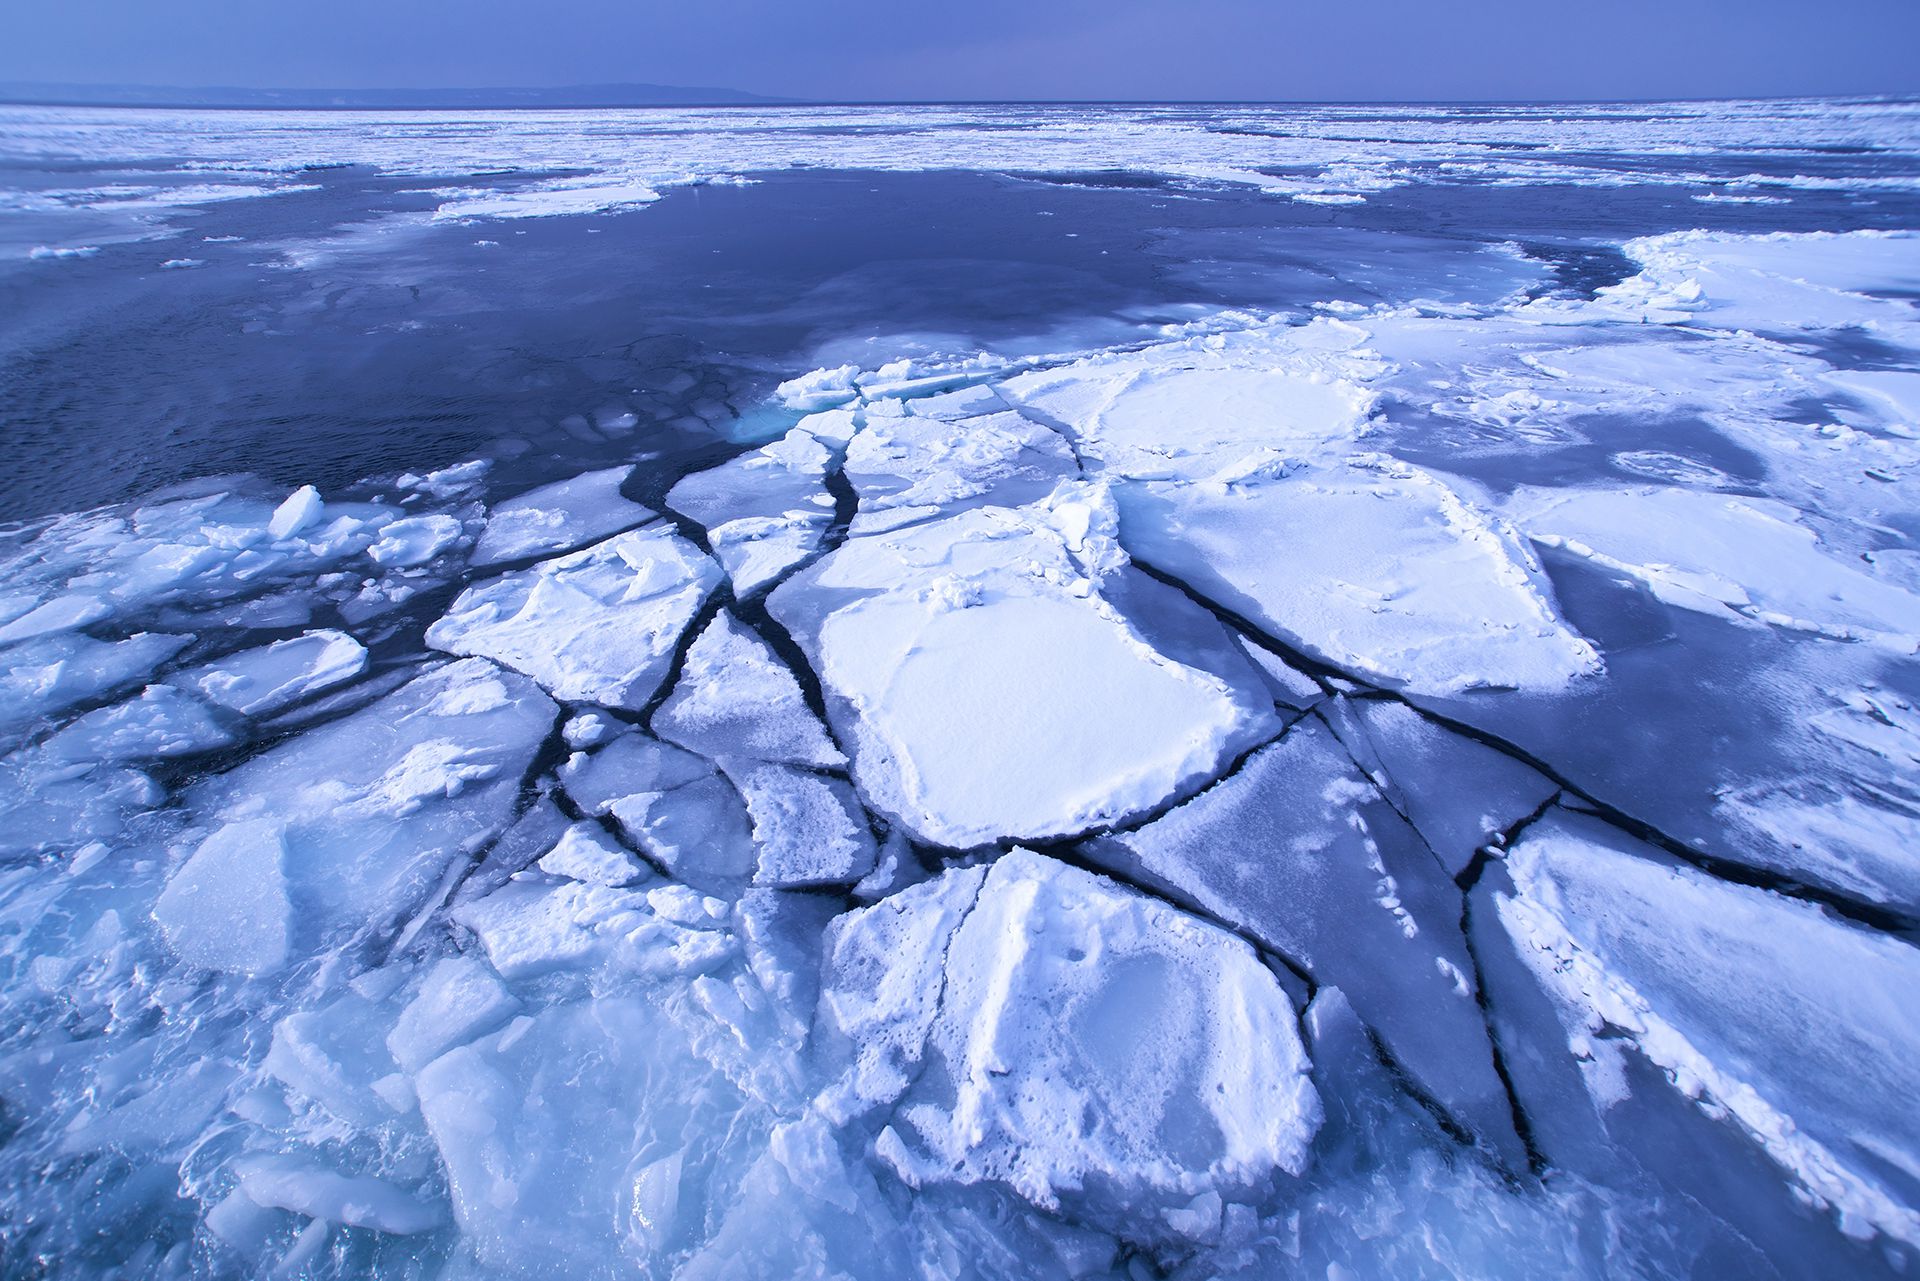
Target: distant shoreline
667, 97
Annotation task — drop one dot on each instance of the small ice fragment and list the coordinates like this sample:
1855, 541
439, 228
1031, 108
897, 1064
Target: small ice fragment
300, 510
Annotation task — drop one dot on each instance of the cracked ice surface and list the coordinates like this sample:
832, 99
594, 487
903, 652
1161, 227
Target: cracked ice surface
1413, 790
990, 687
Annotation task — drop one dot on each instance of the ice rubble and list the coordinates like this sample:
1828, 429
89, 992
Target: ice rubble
96, 568
503, 165
599, 625
389, 990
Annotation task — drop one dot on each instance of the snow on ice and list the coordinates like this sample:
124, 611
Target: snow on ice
1388, 790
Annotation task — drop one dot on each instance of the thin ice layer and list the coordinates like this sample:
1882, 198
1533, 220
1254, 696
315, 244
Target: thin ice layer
560, 517
1458, 793
1750, 557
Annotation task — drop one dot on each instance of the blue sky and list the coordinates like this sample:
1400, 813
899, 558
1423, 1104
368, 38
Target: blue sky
868, 49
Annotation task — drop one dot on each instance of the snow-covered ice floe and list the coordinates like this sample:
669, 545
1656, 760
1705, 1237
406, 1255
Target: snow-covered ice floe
991, 687
597, 626
1421, 791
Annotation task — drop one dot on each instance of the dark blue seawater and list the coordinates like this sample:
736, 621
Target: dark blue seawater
416, 348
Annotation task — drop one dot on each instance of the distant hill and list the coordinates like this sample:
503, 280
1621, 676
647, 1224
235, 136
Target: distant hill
630, 95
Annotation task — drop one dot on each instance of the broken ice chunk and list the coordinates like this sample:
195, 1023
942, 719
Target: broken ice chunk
459, 999
1291, 687
163, 722
1034, 1026
735, 700
1170, 412
670, 803
415, 540
585, 853
43, 678
990, 690
1387, 573
319, 1193
1750, 557
599, 625
1457, 793
226, 908
60, 614
558, 518
260, 682
914, 464
1710, 981
546, 1127
301, 508
1300, 851
768, 510
373, 808
807, 829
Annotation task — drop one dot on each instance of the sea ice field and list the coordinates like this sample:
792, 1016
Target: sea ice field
1067, 693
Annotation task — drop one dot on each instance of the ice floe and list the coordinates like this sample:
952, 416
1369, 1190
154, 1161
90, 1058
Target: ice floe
1032, 1025
1298, 850
263, 681
363, 816
598, 626
1709, 981
559, 518
735, 701
990, 690
768, 510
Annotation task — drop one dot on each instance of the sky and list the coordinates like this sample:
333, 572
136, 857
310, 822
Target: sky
871, 50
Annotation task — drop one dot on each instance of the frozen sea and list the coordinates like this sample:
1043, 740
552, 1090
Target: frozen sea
961, 692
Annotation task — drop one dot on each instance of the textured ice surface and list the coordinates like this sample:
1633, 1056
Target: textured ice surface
263, 681
735, 701
1709, 981
362, 817
1299, 851
597, 626
991, 689
1032, 1025
901, 467
768, 510
558, 518
1484, 666
1750, 557
1388, 572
